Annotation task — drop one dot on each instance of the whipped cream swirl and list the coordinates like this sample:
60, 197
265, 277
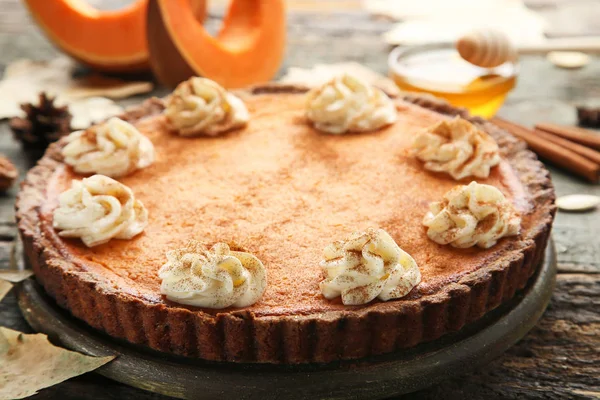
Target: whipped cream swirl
115, 148
97, 209
215, 278
200, 106
472, 215
458, 148
348, 104
368, 265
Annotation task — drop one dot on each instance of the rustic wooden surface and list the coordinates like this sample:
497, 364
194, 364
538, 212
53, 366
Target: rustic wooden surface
559, 359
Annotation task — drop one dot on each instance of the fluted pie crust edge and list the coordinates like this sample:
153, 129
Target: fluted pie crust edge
244, 337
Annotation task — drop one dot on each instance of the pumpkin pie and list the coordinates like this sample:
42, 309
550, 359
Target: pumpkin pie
282, 190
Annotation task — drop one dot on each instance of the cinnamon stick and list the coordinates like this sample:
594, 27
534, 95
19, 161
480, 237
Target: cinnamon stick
567, 144
579, 135
553, 152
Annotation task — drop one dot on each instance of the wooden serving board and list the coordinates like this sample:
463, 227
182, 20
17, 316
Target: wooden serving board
373, 378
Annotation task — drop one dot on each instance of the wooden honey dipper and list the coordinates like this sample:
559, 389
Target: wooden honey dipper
489, 48
486, 48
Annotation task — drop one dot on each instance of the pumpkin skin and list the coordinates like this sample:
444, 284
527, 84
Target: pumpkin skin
248, 49
110, 41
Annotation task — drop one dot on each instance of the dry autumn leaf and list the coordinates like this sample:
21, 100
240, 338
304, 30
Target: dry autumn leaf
90, 110
5, 287
101, 86
15, 276
322, 73
24, 79
29, 363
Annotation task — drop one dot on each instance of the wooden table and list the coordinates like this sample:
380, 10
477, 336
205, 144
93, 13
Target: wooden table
560, 358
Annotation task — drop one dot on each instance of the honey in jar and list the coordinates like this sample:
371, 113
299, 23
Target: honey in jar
439, 70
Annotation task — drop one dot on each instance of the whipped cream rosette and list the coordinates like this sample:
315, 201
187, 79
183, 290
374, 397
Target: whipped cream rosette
458, 148
212, 278
471, 215
98, 209
368, 265
200, 106
348, 104
114, 148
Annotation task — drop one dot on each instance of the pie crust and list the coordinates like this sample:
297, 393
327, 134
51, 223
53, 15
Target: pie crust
242, 336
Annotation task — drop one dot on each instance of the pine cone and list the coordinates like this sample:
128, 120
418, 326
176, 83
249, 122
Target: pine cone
8, 173
43, 124
588, 116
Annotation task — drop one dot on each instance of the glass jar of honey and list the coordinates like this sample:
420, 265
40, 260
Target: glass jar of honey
438, 69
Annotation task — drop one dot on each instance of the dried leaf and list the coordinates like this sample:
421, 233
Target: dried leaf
16, 262
321, 73
5, 287
29, 363
85, 112
101, 86
15, 276
24, 79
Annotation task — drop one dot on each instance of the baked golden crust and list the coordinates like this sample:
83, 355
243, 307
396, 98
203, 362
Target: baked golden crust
242, 336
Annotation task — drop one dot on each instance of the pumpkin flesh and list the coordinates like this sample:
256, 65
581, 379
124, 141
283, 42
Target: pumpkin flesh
105, 40
248, 49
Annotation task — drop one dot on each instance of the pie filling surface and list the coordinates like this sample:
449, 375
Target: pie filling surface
283, 191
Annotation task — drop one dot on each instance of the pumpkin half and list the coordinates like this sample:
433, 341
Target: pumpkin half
113, 41
248, 49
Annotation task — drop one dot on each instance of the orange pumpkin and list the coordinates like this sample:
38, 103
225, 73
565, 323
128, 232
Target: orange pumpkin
113, 41
169, 36
248, 49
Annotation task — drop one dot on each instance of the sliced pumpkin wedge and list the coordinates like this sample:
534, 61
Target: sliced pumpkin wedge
248, 49
112, 41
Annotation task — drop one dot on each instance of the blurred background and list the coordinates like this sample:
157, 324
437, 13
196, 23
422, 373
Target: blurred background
365, 31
